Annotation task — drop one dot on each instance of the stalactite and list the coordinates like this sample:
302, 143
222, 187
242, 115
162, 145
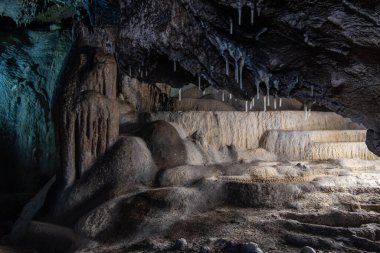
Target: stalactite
252, 14
265, 103
280, 103
239, 14
230, 96
246, 106
175, 65
223, 96
241, 68
237, 70
231, 26
312, 91
257, 82
253, 102
275, 103
199, 81
227, 66
180, 94
305, 109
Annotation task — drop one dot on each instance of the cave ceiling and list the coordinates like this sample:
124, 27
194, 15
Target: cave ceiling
321, 52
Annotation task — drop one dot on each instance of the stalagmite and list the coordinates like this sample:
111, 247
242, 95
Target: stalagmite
246, 106
280, 103
265, 103
231, 27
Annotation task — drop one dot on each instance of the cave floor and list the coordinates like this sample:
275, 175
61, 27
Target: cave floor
332, 206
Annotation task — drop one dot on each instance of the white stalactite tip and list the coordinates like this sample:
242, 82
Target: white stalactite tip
252, 15
265, 103
280, 102
305, 109
246, 106
231, 27
239, 14
227, 66
230, 96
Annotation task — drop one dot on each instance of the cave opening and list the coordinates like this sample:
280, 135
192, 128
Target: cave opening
189, 126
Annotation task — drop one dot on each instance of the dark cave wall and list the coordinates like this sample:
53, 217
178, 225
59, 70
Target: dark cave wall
30, 66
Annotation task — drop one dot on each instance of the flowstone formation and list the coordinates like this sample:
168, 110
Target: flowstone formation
189, 125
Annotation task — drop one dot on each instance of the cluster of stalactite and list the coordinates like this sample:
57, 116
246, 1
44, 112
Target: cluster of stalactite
89, 111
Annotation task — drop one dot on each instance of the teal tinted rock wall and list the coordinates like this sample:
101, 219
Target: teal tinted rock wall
30, 66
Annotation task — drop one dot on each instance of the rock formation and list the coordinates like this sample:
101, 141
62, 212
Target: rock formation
194, 167
89, 114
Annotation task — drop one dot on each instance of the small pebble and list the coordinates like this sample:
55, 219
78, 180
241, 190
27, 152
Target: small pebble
251, 247
308, 249
180, 244
205, 249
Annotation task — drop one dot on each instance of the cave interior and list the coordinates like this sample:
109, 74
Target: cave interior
203, 126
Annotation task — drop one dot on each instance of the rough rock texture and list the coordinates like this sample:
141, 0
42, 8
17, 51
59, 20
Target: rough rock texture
317, 144
89, 116
144, 97
290, 48
165, 143
144, 214
30, 67
125, 167
245, 130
